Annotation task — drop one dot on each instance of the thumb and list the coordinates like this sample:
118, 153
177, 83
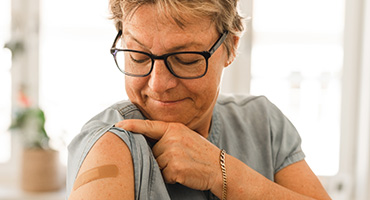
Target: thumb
151, 129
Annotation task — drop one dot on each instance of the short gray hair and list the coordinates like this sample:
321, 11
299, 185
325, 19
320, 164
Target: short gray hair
224, 13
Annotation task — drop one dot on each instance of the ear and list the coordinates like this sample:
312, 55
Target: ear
233, 50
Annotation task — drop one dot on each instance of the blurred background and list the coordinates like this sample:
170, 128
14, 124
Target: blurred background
309, 57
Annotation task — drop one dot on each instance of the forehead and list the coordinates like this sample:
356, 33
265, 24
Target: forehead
148, 20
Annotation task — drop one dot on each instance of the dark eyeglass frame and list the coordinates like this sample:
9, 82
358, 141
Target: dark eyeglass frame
205, 54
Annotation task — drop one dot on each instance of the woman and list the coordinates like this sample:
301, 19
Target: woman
177, 138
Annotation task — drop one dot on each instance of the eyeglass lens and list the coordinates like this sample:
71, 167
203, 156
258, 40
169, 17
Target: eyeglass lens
185, 65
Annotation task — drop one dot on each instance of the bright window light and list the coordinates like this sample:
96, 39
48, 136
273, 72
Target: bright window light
78, 76
297, 62
5, 82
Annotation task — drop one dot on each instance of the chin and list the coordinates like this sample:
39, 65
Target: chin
170, 118
184, 117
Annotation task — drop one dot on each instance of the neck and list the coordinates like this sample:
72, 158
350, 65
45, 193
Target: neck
204, 130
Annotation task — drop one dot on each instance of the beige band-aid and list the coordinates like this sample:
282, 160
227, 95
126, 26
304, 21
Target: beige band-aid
104, 171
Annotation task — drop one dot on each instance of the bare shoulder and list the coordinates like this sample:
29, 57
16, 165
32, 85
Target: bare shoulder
107, 171
300, 178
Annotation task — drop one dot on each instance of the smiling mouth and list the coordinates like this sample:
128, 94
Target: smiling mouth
168, 102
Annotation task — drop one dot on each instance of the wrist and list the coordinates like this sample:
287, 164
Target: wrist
219, 186
224, 175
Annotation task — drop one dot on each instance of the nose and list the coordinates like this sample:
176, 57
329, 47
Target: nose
161, 79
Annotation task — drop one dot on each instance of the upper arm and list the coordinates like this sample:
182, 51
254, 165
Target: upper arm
108, 150
298, 177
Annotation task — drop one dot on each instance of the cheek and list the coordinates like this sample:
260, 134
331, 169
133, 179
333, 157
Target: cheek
207, 87
217, 63
134, 86
214, 73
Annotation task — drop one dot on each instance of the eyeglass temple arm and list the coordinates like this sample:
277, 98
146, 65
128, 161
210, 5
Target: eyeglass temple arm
115, 40
218, 43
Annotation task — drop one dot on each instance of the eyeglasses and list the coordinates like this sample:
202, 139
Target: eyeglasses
185, 64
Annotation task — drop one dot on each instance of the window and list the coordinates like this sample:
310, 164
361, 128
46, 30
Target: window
297, 56
78, 76
5, 82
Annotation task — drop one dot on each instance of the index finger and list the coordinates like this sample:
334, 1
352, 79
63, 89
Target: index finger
151, 129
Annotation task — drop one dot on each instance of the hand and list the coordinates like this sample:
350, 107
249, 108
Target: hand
183, 155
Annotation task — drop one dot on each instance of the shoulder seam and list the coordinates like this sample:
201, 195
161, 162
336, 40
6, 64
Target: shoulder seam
128, 109
245, 101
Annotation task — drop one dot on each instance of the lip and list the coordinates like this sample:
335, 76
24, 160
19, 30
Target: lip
168, 102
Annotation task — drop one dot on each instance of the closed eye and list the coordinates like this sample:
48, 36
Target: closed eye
187, 61
139, 60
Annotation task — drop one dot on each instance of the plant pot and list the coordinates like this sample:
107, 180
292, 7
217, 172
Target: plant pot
40, 170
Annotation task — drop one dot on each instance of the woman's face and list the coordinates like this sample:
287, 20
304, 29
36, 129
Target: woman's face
160, 95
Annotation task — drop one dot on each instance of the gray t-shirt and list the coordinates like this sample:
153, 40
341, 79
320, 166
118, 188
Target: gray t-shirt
250, 128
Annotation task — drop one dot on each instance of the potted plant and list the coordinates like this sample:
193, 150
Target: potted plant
40, 163
31, 123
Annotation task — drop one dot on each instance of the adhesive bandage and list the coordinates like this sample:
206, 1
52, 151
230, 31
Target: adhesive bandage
105, 171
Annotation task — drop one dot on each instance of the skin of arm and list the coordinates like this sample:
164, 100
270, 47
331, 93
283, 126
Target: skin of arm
293, 182
108, 150
183, 163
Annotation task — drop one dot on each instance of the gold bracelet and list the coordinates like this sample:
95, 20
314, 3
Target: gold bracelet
223, 170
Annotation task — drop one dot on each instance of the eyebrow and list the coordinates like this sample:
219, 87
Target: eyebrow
172, 49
